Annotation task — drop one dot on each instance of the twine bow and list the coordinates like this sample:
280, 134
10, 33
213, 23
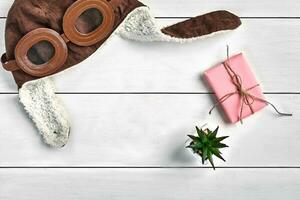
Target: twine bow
247, 99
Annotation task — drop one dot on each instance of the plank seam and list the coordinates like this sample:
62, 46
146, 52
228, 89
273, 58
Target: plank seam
149, 93
147, 167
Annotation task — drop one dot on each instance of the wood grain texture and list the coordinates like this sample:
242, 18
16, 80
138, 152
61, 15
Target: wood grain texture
149, 130
124, 130
149, 184
189, 8
179, 68
243, 8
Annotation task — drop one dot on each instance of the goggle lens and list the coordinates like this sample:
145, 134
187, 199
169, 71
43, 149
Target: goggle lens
41, 53
89, 21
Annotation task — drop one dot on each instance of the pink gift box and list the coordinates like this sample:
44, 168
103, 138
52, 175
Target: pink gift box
221, 83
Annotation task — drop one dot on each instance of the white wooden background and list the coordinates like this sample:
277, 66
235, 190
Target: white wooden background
131, 115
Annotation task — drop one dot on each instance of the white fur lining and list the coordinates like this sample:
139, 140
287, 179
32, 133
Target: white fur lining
140, 25
46, 111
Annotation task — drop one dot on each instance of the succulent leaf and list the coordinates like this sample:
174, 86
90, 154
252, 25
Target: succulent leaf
206, 144
220, 145
201, 134
220, 139
217, 153
209, 156
215, 132
204, 155
193, 137
198, 146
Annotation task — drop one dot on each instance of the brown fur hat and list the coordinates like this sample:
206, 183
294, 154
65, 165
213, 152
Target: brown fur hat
27, 15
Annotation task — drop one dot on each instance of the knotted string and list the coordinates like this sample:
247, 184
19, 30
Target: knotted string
247, 99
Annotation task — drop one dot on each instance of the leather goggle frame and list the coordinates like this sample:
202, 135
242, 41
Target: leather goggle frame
59, 41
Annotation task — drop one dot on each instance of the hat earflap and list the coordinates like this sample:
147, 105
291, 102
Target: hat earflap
46, 110
140, 25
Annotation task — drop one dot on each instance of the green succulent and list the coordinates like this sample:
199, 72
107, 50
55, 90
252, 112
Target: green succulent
206, 144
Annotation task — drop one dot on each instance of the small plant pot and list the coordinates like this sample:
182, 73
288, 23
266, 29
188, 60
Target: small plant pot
195, 155
189, 141
205, 138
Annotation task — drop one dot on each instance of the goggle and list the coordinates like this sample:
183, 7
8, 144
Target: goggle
58, 41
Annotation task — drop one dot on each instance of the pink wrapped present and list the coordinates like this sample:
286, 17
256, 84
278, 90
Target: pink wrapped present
235, 88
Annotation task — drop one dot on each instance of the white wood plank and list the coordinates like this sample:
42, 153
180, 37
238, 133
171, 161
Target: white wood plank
149, 130
269, 45
149, 184
244, 8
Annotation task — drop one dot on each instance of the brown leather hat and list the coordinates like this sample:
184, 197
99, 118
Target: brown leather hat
45, 37
28, 15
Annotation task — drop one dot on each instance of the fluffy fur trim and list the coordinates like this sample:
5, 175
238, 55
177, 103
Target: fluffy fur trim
46, 111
